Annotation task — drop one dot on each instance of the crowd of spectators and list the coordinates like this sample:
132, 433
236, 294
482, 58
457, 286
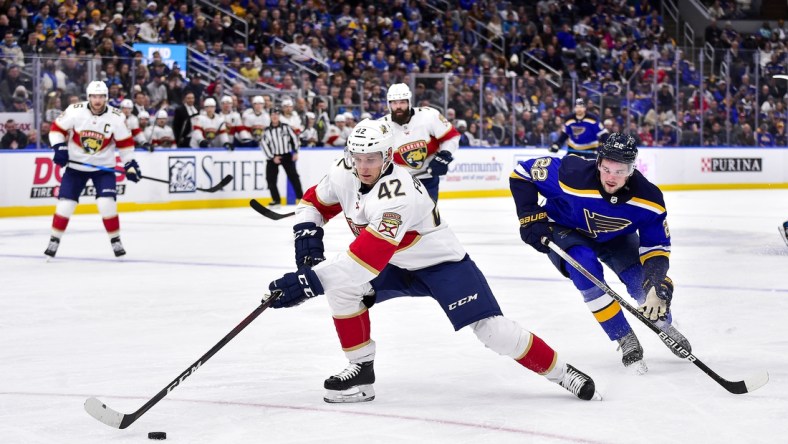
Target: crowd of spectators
464, 57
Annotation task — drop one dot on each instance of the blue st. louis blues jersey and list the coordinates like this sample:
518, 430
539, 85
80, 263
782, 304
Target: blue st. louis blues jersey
582, 134
576, 199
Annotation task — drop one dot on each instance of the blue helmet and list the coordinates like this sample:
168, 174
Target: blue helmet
619, 147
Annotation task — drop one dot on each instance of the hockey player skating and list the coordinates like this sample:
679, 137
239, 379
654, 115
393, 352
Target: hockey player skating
582, 132
603, 211
402, 248
91, 132
424, 141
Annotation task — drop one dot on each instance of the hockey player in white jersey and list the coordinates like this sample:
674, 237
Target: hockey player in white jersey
133, 123
290, 117
233, 123
209, 128
337, 133
402, 247
91, 132
160, 135
424, 141
255, 119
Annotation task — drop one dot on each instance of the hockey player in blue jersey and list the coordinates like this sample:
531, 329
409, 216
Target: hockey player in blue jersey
602, 212
582, 133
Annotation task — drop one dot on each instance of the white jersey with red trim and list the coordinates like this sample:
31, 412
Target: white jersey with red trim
294, 120
256, 123
160, 136
416, 142
212, 129
93, 138
133, 124
394, 222
336, 136
233, 123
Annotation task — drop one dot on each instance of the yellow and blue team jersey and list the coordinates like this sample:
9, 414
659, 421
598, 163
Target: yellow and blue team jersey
576, 199
582, 134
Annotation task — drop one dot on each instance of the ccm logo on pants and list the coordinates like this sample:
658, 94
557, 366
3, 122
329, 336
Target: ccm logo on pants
463, 301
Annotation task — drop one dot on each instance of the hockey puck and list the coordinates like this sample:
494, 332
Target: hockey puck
157, 435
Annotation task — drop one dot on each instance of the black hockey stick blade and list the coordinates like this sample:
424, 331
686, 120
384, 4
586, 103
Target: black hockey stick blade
747, 385
222, 183
115, 419
260, 208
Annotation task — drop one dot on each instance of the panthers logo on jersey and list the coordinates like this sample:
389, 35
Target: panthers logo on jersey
257, 132
92, 141
414, 153
598, 223
210, 134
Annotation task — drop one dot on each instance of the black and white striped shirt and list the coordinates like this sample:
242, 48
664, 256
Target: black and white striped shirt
279, 140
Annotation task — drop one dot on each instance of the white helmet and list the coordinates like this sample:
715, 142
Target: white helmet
371, 136
143, 115
161, 114
209, 102
227, 99
126, 103
398, 91
97, 88
257, 99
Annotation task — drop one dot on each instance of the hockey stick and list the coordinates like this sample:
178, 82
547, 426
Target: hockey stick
754, 382
113, 418
260, 208
222, 183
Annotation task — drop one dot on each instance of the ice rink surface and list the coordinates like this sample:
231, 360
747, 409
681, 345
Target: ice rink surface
87, 324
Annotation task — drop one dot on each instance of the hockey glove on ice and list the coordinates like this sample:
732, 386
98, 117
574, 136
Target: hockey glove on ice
439, 165
308, 244
658, 297
296, 288
132, 171
61, 154
554, 148
534, 226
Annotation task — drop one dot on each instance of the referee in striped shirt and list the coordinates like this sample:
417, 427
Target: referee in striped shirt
280, 145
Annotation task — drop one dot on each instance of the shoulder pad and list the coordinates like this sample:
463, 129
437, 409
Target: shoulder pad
578, 173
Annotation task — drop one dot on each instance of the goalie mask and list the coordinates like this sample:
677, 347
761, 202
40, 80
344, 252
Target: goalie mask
368, 137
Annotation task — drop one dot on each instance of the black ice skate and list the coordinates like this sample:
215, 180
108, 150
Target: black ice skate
117, 247
783, 229
51, 250
579, 384
632, 353
353, 384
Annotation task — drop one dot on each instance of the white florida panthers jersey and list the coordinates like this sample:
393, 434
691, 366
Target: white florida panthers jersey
256, 123
213, 129
92, 138
395, 222
416, 142
160, 136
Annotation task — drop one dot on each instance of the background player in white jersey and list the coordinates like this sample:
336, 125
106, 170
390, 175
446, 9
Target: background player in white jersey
232, 121
255, 120
290, 117
209, 128
91, 132
424, 141
402, 248
160, 135
132, 122
337, 133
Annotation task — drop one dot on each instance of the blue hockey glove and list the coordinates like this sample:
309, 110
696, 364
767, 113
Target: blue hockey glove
61, 154
534, 226
308, 244
658, 297
296, 288
132, 171
439, 165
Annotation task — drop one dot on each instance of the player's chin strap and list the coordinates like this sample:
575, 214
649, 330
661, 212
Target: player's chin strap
737, 387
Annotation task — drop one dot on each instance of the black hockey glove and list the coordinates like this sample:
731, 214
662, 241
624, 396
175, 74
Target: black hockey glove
554, 148
204, 143
133, 171
148, 147
308, 244
61, 154
296, 288
534, 226
229, 146
658, 297
439, 165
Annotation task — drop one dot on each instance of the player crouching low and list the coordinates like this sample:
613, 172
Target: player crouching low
402, 248
90, 132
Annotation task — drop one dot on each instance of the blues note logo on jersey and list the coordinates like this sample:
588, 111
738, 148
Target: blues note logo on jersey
578, 130
414, 153
92, 141
598, 223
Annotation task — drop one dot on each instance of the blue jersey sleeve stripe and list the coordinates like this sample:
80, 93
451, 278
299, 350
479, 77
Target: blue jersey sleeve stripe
581, 193
647, 256
647, 205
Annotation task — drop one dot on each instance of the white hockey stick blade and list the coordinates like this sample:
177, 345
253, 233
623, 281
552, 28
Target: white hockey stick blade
756, 381
100, 411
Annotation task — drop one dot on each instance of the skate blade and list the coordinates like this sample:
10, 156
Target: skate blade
597, 396
638, 368
360, 393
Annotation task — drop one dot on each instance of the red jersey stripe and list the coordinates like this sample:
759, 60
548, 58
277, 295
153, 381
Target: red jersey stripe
327, 210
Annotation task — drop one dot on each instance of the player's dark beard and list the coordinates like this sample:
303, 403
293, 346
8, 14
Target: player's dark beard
400, 117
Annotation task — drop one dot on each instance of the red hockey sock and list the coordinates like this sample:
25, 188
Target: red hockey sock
112, 225
59, 224
353, 331
538, 356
